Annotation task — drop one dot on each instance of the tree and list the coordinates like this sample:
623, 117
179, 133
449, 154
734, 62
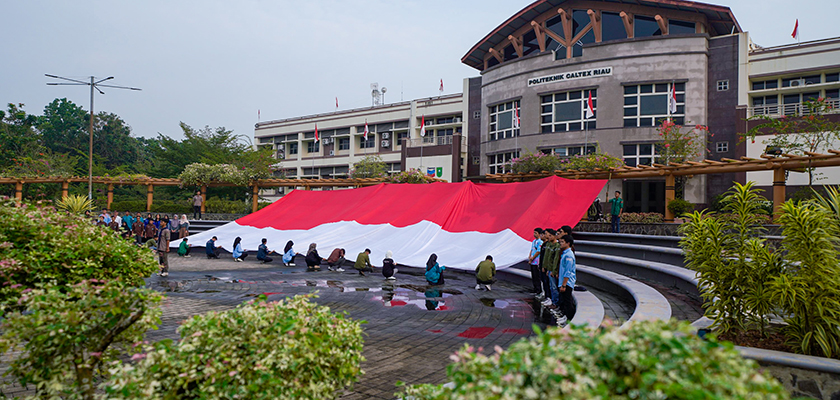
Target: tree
369, 167
809, 130
680, 144
16, 133
64, 128
207, 145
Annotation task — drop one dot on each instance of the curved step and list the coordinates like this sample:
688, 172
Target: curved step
666, 255
648, 240
650, 304
590, 310
665, 274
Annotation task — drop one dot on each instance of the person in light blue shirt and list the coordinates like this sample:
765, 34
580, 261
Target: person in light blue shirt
534, 261
289, 254
106, 215
238, 254
568, 273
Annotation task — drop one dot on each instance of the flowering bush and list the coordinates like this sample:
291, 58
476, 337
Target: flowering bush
411, 176
369, 167
647, 360
39, 245
589, 162
41, 164
198, 174
642, 218
680, 144
536, 162
290, 349
541, 162
67, 335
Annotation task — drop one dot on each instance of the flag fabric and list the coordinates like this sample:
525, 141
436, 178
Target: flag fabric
316, 134
516, 118
423, 126
486, 218
672, 100
441, 85
258, 115
336, 103
795, 33
366, 130
589, 111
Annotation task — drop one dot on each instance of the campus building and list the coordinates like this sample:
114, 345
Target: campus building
537, 72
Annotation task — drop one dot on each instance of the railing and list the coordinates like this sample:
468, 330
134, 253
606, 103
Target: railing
794, 109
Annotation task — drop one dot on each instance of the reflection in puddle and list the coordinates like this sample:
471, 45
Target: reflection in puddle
432, 299
500, 303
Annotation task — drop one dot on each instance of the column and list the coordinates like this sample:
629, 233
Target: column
203, 198
18, 192
65, 188
778, 191
670, 194
110, 196
255, 198
150, 190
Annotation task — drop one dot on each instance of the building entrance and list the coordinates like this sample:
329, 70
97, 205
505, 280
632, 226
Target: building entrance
644, 196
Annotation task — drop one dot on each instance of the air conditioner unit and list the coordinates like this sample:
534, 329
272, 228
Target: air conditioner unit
797, 82
456, 120
332, 152
386, 143
386, 135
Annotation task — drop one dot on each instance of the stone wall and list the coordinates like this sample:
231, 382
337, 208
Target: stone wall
806, 383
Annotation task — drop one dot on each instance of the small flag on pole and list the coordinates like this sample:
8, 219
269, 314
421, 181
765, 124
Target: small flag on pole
336, 103
366, 130
795, 33
441, 86
258, 115
516, 118
672, 100
589, 112
423, 126
317, 139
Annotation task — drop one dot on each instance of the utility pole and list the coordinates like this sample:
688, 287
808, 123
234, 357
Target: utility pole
93, 85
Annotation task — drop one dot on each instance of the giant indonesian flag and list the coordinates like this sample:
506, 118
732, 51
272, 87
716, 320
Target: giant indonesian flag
461, 222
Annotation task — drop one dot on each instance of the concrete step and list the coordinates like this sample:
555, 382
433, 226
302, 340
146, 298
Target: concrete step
650, 304
590, 310
661, 273
647, 240
199, 226
665, 255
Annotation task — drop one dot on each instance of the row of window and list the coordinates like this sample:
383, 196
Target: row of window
797, 81
791, 104
644, 105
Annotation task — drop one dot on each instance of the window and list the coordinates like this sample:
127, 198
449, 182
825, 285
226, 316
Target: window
832, 94
676, 27
344, 143
761, 85
313, 147
765, 105
645, 26
370, 143
723, 85
612, 27
639, 154
722, 147
444, 136
835, 77
570, 150
563, 112
808, 80
500, 163
476, 114
501, 121
293, 148
394, 167
445, 120
646, 105
792, 103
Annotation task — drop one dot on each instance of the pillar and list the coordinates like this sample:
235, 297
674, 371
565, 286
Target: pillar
110, 196
203, 198
65, 189
778, 191
670, 194
255, 198
150, 192
19, 192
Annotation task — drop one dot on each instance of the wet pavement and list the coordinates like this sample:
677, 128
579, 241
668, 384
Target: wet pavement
411, 328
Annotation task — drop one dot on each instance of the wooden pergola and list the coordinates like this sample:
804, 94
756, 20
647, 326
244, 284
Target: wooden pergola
778, 164
150, 183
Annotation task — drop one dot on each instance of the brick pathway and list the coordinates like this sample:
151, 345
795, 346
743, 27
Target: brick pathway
411, 328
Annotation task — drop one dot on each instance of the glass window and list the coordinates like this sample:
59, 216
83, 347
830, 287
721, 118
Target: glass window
639, 154
555, 25
492, 62
530, 44
587, 38
676, 27
612, 27
812, 80
832, 94
647, 105
500, 163
722, 147
510, 53
313, 147
580, 20
293, 148
835, 77
765, 105
344, 143
723, 85
501, 121
645, 26
566, 112
370, 143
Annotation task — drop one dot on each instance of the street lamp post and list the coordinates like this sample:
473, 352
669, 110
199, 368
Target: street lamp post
94, 84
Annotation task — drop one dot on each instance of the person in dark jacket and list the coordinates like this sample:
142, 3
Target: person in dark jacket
335, 260
211, 249
263, 252
485, 273
363, 262
138, 230
313, 260
150, 231
434, 271
389, 269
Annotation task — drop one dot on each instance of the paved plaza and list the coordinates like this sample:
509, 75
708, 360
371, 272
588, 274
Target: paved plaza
411, 328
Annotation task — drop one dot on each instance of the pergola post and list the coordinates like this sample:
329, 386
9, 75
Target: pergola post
778, 191
65, 189
18, 192
670, 194
255, 198
203, 198
150, 192
110, 196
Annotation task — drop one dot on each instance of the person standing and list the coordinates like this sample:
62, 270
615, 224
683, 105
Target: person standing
211, 250
434, 271
363, 262
534, 261
163, 251
568, 273
389, 270
263, 252
485, 273
129, 220
616, 207
197, 202
138, 228
117, 218
335, 260
175, 227
184, 226
239, 254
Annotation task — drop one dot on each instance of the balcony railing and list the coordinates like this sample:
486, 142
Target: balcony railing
793, 109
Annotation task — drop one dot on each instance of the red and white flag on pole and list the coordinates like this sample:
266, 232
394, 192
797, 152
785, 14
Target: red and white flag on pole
316, 134
423, 126
441, 85
672, 100
795, 33
336, 103
258, 114
366, 130
516, 118
589, 112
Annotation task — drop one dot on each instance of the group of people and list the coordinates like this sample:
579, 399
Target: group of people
554, 271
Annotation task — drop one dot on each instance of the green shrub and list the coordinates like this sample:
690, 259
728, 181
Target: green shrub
680, 207
535, 162
369, 167
288, 349
172, 207
129, 205
716, 204
648, 360
40, 245
642, 218
410, 176
75, 204
63, 343
216, 205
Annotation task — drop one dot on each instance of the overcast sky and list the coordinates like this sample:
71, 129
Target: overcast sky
216, 63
